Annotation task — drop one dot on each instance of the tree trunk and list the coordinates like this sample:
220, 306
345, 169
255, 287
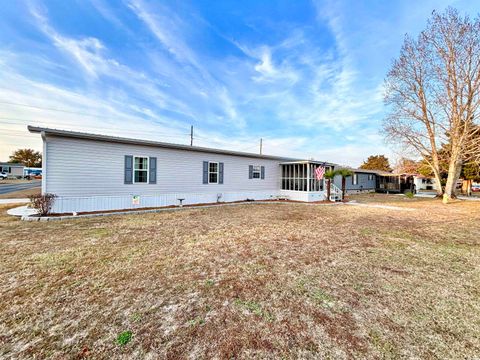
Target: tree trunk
469, 187
344, 180
438, 183
435, 166
454, 171
328, 189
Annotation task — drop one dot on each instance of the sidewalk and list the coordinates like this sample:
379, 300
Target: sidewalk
14, 201
460, 197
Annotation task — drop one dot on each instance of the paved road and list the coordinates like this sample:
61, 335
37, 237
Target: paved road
8, 188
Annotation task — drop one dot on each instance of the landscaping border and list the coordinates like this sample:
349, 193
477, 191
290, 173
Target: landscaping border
177, 208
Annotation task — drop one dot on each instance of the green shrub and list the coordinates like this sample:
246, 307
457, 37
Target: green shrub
124, 338
409, 194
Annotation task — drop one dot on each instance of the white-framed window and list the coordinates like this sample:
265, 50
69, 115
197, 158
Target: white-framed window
355, 179
140, 169
213, 172
256, 172
370, 177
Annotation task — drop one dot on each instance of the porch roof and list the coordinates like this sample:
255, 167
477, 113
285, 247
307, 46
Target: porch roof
317, 162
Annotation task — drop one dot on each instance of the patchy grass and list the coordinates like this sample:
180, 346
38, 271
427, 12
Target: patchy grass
124, 338
248, 281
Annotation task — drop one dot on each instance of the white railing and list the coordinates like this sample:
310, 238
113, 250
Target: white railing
335, 192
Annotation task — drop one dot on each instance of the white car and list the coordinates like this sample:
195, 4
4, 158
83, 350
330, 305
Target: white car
3, 176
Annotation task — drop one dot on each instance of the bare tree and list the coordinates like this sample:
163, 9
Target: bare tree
433, 92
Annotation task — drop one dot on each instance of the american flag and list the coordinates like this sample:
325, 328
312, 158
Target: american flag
319, 171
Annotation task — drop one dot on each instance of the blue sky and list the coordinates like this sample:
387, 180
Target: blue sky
306, 76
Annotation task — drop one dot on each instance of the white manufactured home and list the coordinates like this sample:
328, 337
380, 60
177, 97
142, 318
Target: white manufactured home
89, 172
12, 170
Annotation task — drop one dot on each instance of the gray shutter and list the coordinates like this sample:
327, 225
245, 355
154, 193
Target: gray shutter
152, 178
205, 172
262, 172
250, 171
128, 178
220, 173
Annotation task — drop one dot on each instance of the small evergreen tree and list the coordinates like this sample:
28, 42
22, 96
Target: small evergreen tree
376, 162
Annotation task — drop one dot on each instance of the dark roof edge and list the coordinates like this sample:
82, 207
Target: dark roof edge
366, 171
115, 139
11, 164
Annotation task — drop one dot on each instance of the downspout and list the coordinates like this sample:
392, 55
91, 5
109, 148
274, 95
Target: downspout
44, 163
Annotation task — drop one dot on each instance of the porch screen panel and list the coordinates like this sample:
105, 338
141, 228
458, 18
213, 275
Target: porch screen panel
295, 177
305, 174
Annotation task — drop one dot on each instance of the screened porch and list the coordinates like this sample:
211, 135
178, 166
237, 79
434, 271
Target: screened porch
298, 180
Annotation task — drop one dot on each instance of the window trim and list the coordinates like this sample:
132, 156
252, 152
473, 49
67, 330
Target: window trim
147, 170
212, 172
355, 179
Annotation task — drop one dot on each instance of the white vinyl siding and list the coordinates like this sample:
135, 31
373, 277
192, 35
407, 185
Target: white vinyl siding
177, 170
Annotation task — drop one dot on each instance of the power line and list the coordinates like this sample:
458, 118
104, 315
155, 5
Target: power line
92, 127
51, 109
77, 113
89, 126
20, 135
101, 128
248, 148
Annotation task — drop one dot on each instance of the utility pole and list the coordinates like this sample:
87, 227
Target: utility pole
261, 145
191, 135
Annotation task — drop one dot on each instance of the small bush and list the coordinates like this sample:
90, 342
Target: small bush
409, 194
42, 203
124, 338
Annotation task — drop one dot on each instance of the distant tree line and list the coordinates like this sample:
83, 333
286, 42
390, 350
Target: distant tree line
27, 157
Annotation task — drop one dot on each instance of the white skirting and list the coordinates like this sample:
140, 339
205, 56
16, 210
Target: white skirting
307, 196
67, 204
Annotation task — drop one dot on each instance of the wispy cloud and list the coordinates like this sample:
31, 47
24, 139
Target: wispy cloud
165, 25
169, 29
307, 79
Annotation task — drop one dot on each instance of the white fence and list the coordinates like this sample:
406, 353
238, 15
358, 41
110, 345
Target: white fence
64, 204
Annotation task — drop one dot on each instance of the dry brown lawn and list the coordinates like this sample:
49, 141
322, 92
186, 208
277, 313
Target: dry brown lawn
254, 281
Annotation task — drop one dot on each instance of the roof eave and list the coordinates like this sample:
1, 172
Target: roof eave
114, 139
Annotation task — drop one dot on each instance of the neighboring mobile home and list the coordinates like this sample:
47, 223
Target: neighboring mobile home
395, 183
361, 181
424, 183
12, 169
89, 172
